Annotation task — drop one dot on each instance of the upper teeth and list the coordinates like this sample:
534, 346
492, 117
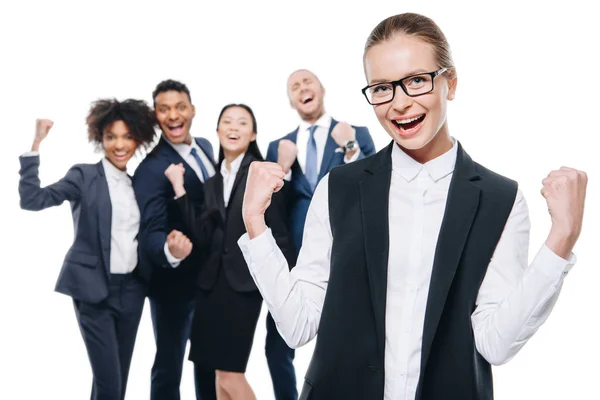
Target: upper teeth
306, 98
120, 154
232, 136
406, 121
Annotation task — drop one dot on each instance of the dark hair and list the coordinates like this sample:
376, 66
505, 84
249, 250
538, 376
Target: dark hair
168, 85
253, 146
415, 25
136, 114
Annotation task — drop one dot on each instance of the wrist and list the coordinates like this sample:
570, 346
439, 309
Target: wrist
285, 166
351, 153
36, 145
179, 190
255, 225
561, 241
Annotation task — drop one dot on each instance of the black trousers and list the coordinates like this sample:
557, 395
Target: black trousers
109, 330
172, 322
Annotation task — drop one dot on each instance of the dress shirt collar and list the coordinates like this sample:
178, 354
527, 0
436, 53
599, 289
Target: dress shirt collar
324, 122
113, 174
184, 149
233, 168
437, 168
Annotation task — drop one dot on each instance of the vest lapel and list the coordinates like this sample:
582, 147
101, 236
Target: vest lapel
374, 199
461, 207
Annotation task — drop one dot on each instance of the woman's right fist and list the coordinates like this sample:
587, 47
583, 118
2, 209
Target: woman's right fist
42, 127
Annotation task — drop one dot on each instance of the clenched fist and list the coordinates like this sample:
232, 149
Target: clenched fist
343, 132
264, 179
179, 244
175, 175
564, 191
286, 154
42, 127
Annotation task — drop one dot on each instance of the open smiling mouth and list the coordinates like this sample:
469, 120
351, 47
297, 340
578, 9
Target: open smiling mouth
307, 99
409, 125
176, 128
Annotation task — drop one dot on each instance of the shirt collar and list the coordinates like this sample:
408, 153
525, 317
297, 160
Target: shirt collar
324, 122
113, 174
437, 168
234, 167
184, 149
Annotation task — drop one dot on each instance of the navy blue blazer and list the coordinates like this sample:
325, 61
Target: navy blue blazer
159, 216
298, 197
85, 274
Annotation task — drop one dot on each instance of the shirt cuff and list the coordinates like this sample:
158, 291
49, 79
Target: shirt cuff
30, 154
259, 248
547, 263
174, 261
288, 176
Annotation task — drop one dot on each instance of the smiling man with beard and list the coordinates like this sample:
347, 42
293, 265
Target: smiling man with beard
172, 287
317, 145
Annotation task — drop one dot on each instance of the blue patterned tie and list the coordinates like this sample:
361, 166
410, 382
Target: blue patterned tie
205, 174
311, 159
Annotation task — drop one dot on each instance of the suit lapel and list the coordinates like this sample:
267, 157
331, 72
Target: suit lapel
217, 181
297, 174
241, 174
206, 150
374, 199
329, 151
104, 210
172, 156
461, 207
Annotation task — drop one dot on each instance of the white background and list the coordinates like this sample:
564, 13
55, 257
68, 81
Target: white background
526, 104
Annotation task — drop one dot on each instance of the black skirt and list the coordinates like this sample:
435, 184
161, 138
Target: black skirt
223, 327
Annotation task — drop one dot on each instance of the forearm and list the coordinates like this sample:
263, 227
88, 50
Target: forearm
294, 299
501, 329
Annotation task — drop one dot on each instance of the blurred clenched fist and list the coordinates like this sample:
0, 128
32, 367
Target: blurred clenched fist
179, 244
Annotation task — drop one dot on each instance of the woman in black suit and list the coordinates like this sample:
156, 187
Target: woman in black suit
228, 302
101, 270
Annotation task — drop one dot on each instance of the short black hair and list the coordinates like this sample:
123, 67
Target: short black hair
168, 85
136, 114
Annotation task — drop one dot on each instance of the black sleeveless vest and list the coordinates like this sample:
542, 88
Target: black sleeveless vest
348, 362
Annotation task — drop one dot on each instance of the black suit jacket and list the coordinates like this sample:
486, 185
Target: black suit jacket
218, 229
159, 216
85, 273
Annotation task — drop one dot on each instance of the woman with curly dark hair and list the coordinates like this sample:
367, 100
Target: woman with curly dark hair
100, 271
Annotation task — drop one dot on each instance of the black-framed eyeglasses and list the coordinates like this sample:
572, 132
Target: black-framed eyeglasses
412, 85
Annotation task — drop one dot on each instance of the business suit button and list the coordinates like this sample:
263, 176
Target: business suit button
226, 250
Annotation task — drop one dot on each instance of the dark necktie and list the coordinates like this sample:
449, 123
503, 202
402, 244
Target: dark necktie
205, 174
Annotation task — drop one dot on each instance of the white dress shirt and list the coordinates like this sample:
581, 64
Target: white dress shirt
125, 220
185, 151
513, 301
229, 176
321, 134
